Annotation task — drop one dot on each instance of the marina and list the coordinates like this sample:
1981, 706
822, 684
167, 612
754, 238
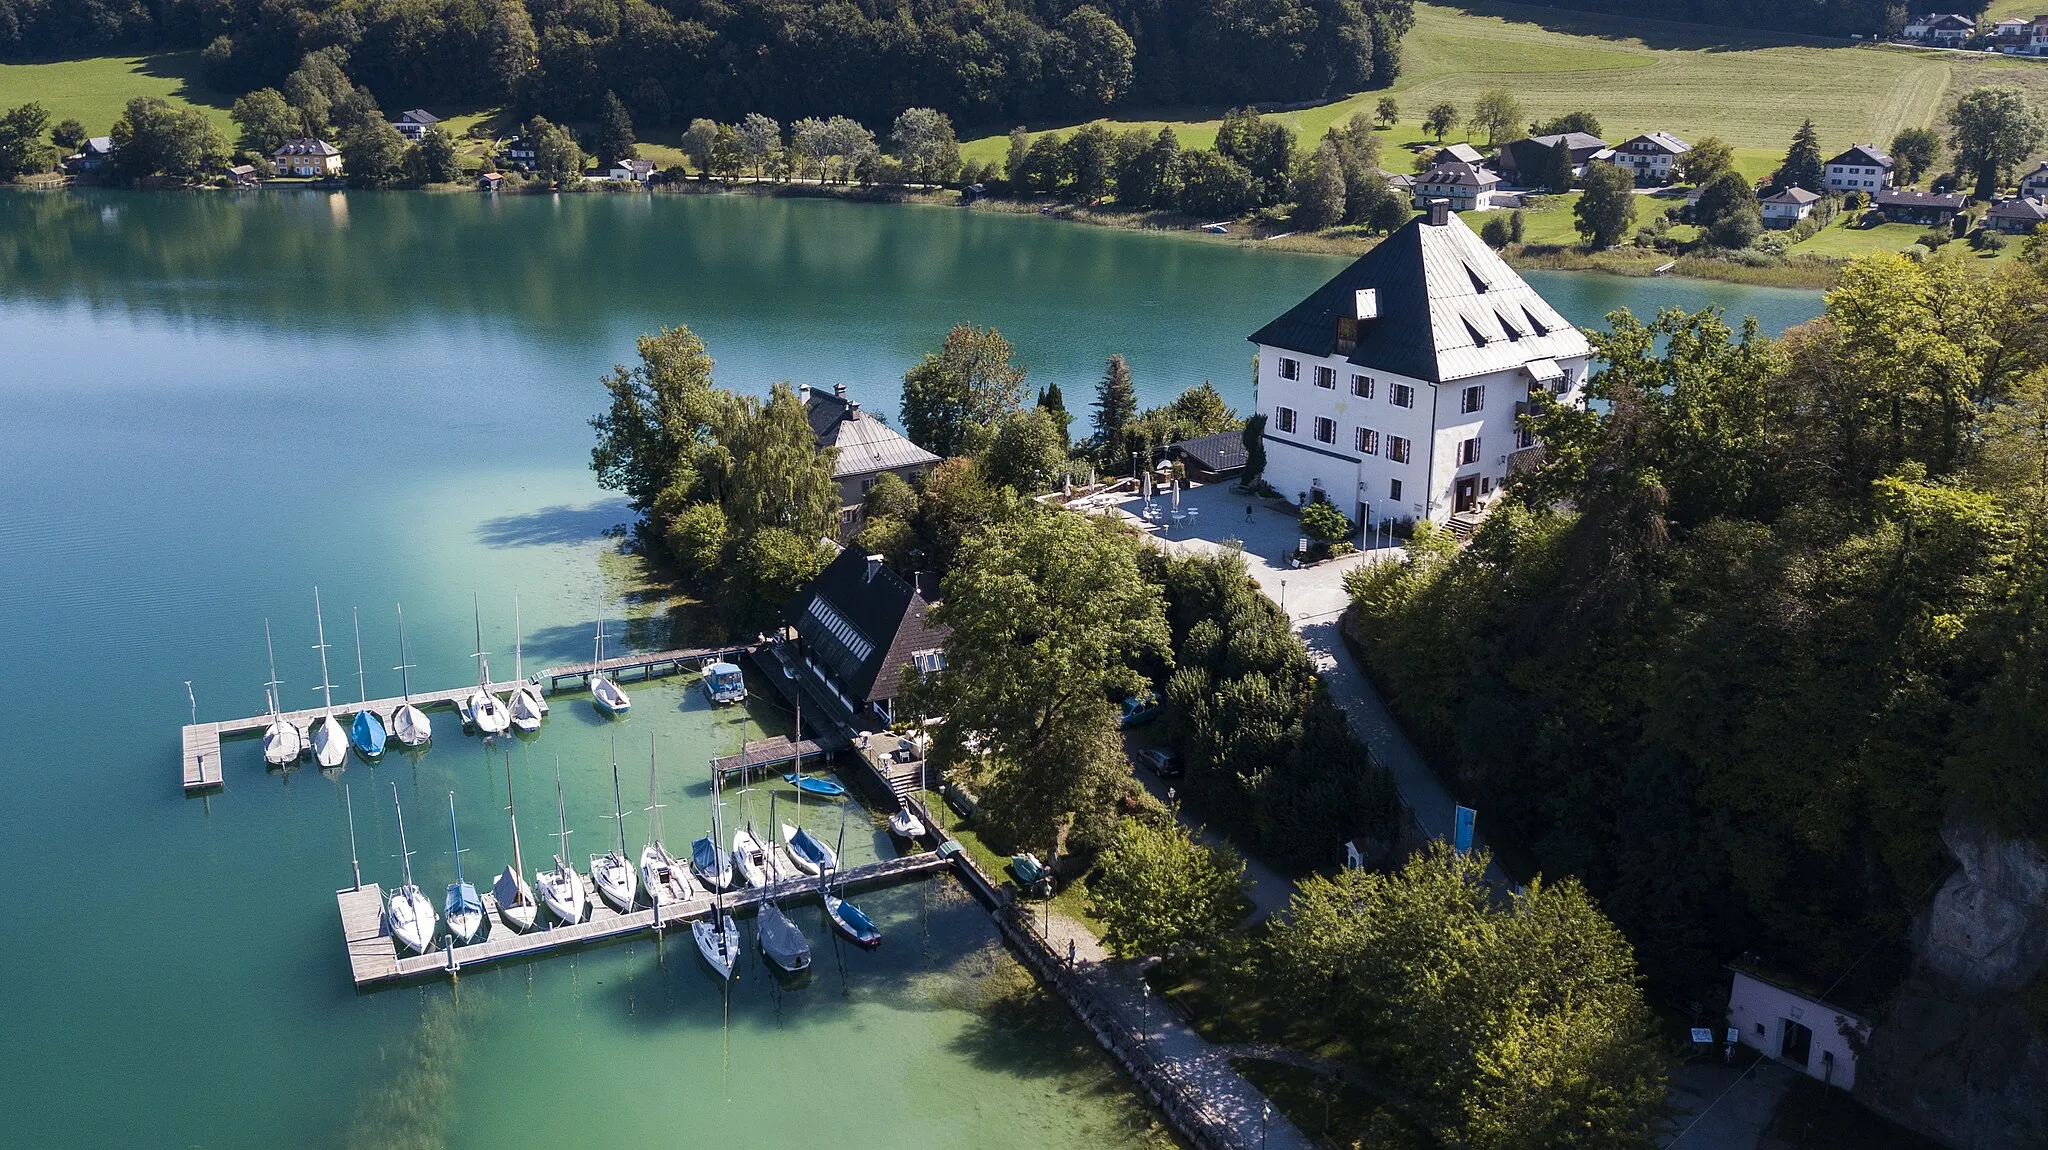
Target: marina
374, 958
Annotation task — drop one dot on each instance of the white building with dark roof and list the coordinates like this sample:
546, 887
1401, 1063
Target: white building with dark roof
414, 124
1466, 187
1863, 168
1787, 207
1394, 391
867, 449
1652, 157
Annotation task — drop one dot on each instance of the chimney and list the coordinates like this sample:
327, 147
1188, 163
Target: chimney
1439, 213
839, 389
852, 410
874, 566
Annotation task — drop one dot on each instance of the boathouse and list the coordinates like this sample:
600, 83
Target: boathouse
859, 626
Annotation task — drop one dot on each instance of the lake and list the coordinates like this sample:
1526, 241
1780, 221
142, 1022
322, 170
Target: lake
210, 403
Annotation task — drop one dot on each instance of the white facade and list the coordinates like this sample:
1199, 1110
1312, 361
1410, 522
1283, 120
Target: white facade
1801, 1032
1860, 169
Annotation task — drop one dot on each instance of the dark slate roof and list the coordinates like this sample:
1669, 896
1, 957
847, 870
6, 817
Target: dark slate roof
867, 446
2018, 209
1664, 141
1791, 196
1440, 289
1221, 452
1915, 198
1457, 175
421, 117
1864, 155
863, 627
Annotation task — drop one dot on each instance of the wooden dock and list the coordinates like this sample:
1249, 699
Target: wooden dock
649, 666
776, 751
373, 955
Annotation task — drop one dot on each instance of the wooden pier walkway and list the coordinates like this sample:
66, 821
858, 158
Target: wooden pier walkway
776, 751
650, 666
373, 955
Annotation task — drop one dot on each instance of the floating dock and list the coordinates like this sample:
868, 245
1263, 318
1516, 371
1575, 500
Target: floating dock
777, 751
200, 766
373, 955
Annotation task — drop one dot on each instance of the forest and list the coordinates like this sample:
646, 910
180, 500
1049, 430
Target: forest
1761, 621
979, 61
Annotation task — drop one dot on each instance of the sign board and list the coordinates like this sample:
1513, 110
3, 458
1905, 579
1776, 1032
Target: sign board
1704, 1035
1461, 838
1734, 1036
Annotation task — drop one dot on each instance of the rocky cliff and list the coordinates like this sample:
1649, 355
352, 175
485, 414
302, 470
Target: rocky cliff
1963, 1055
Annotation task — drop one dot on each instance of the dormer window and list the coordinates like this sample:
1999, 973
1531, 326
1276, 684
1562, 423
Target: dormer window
1478, 337
1478, 285
1347, 334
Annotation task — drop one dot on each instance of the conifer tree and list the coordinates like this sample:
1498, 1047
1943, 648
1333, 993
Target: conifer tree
1116, 405
1801, 168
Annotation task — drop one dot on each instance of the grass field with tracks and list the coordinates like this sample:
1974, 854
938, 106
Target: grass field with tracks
94, 90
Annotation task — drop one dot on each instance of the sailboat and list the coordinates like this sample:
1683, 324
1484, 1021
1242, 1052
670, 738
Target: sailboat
781, 941
526, 706
847, 918
410, 915
562, 887
805, 850
661, 875
486, 711
720, 944
409, 725
514, 897
367, 731
749, 854
330, 744
463, 909
610, 871
707, 857
283, 741
603, 692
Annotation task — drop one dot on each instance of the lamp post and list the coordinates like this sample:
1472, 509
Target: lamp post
1283, 596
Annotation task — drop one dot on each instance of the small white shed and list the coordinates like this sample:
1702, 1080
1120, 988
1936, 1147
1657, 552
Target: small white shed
1796, 1029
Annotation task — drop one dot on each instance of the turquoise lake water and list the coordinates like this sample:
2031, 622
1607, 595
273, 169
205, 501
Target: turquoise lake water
208, 404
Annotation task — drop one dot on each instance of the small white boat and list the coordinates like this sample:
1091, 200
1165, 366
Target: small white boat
562, 887
407, 912
283, 741
719, 945
611, 872
409, 725
751, 859
664, 879
905, 825
330, 741
486, 711
526, 708
464, 910
606, 694
515, 899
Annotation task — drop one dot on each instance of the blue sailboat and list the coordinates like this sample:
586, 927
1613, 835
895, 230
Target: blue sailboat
367, 731
847, 918
463, 910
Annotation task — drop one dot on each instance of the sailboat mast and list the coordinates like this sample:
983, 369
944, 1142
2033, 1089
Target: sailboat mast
618, 806
404, 657
518, 858
403, 851
561, 812
478, 612
326, 687
518, 643
353, 862
271, 650
653, 808
362, 687
455, 836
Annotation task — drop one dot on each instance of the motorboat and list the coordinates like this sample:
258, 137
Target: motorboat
610, 871
462, 908
720, 945
409, 725
608, 696
283, 742
407, 911
781, 941
661, 876
330, 743
562, 887
724, 683
526, 708
751, 859
823, 788
905, 825
514, 898
366, 731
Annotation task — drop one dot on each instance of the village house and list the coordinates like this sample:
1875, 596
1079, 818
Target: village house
1787, 207
868, 449
2012, 31
1652, 157
490, 182
519, 152
631, 171
2034, 185
2037, 37
1862, 168
859, 627
413, 125
97, 153
1797, 1029
1458, 154
2017, 216
243, 176
1947, 29
314, 158
1521, 162
1467, 188
1913, 206
1393, 392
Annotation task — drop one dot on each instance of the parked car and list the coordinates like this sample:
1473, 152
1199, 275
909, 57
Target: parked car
1139, 709
1159, 761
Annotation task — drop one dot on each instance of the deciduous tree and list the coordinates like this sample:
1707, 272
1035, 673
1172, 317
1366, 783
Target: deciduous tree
1991, 131
1706, 159
1387, 112
266, 121
1441, 118
1607, 205
22, 150
1499, 114
971, 381
1915, 151
1158, 890
151, 139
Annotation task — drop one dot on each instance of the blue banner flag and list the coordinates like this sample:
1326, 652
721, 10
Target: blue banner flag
1462, 837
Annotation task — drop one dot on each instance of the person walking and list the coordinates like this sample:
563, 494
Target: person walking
1247, 513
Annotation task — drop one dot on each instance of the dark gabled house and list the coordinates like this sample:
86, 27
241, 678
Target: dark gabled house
1520, 162
868, 449
414, 125
2016, 216
859, 625
1211, 456
1913, 206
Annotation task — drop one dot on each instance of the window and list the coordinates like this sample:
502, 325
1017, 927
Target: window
1397, 449
1368, 441
1468, 451
1326, 430
1473, 399
1326, 377
1524, 438
1361, 386
1402, 395
1290, 368
928, 662
1284, 416
838, 628
1394, 489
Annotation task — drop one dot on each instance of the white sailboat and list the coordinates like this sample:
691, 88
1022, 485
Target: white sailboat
409, 725
409, 914
283, 741
526, 705
330, 742
606, 694
610, 871
464, 910
562, 887
514, 897
718, 941
661, 876
486, 711
750, 855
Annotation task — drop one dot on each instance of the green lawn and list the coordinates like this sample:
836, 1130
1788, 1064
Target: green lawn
95, 89
1841, 240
